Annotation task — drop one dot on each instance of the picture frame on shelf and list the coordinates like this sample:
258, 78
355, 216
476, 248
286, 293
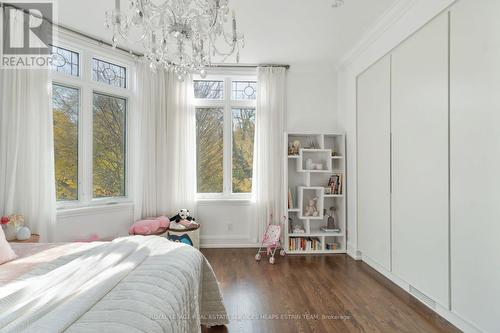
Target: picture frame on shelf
336, 183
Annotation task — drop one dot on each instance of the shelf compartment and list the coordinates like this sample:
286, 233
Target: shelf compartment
334, 142
315, 160
311, 202
304, 243
302, 224
306, 141
334, 243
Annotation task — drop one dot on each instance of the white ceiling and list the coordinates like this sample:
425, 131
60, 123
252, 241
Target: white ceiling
276, 31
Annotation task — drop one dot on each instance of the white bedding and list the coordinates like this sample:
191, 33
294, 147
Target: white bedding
133, 284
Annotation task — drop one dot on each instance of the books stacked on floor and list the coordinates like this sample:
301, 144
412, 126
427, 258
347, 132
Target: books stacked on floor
305, 244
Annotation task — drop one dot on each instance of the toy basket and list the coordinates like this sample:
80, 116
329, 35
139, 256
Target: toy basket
271, 242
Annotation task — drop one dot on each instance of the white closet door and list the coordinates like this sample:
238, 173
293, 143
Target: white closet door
420, 223
475, 162
373, 160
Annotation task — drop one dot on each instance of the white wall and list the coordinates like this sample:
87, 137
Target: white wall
394, 28
312, 98
311, 106
106, 222
227, 223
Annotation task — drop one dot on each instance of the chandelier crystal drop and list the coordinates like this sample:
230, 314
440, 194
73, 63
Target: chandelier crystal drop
178, 35
337, 3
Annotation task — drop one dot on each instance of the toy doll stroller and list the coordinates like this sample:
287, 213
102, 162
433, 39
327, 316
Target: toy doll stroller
271, 241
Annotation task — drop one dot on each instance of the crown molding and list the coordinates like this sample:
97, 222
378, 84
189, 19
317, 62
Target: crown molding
387, 20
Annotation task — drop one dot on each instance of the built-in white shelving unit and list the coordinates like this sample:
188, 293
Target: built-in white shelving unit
320, 158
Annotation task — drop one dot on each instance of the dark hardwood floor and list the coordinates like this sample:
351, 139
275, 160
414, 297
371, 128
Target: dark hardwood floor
331, 293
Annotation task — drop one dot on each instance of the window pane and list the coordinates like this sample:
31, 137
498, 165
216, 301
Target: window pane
243, 140
209, 89
103, 71
210, 150
65, 61
244, 90
109, 146
65, 106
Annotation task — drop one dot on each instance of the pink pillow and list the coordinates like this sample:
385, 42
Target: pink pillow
6, 253
149, 227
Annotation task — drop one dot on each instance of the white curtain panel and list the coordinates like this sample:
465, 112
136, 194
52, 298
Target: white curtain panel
268, 184
27, 183
164, 174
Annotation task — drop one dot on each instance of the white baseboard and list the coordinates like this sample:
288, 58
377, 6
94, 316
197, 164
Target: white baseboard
353, 252
444, 312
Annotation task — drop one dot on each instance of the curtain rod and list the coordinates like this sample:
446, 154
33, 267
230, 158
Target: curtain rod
126, 50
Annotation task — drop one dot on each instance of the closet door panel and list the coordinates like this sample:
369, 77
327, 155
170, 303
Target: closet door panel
373, 160
475, 162
420, 223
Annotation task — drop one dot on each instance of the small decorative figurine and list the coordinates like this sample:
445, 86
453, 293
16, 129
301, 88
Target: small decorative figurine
311, 208
295, 147
332, 221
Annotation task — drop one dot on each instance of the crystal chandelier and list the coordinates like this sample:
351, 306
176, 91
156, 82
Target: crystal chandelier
181, 35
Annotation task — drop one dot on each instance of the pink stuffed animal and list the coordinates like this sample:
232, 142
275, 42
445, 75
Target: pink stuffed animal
150, 226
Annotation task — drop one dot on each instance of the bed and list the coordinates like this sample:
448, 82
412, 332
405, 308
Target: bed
132, 284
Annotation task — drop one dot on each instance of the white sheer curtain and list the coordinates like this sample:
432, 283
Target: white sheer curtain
268, 184
27, 183
164, 140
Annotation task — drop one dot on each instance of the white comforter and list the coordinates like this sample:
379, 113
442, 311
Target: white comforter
133, 284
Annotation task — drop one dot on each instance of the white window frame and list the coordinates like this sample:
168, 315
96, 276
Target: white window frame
227, 104
88, 50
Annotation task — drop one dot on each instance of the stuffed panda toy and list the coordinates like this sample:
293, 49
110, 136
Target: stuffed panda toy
182, 215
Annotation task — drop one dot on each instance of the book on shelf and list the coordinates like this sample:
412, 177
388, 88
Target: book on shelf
298, 244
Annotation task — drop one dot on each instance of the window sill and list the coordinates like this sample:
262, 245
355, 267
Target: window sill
224, 201
93, 209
